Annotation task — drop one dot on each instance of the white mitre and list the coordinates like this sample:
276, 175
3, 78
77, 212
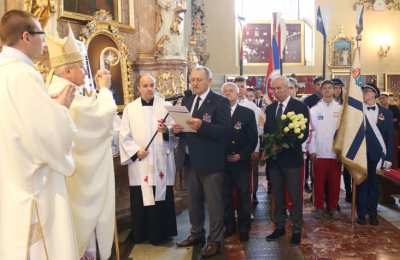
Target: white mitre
61, 52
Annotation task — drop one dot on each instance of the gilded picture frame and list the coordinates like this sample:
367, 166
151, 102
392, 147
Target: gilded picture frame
392, 83
305, 82
75, 10
344, 75
295, 55
341, 52
365, 78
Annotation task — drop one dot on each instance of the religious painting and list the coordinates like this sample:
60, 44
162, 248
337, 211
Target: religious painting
305, 83
344, 76
367, 78
257, 43
257, 82
294, 53
84, 10
341, 51
89, 7
392, 85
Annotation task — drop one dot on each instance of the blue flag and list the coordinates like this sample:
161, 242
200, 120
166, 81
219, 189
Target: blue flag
360, 18
320, 23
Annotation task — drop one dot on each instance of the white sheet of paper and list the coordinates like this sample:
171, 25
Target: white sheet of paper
180, 114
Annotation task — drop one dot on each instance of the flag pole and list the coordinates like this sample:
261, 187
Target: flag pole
240, 35
359, 28
353, 201
324, 58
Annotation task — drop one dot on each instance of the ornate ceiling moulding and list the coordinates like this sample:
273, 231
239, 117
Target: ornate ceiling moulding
379, 5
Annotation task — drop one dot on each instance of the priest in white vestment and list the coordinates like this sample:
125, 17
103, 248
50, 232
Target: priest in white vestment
151, 171
91, 188
35, 153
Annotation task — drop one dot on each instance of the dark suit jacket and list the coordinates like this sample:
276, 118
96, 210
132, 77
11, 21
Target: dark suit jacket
293, 157
385, 126
312, 100
396, 116
207, 146
243, 136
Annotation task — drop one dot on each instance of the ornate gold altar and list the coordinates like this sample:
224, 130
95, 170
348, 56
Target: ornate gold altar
100, 34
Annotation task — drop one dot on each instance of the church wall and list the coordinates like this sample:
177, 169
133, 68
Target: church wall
222, 35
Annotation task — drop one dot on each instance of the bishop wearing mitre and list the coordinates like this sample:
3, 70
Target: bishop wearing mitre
35, 153
151, 171
91, 188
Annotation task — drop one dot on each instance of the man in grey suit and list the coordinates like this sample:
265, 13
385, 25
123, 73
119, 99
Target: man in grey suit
211, 122
285, 168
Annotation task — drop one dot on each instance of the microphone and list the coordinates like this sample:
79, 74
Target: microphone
173, 98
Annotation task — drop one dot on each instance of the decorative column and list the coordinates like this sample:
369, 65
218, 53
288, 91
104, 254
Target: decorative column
198, 38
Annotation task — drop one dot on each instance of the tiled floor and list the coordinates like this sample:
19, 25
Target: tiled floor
322, 239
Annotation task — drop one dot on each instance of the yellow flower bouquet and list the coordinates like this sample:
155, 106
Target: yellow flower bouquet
289, 133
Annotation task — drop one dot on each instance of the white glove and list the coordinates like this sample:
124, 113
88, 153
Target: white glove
386, 165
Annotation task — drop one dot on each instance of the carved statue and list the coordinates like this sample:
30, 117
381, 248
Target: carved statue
42, 9
169, 41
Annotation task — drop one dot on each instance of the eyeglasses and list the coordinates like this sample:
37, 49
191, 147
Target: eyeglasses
40, 32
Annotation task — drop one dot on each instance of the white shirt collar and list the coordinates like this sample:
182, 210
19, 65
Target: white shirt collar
11, 52
328, 104
285, 102
233, 108
204, 95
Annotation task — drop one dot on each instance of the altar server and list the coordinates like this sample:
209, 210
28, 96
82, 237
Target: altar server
151, 171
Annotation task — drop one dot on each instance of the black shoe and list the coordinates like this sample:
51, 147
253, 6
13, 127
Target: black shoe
373, 221
296, 239
229, 232
307, 188
276, 234
244, 236
361, 221
191, 241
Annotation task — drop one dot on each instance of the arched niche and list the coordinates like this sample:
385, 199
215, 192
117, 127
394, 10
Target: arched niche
98, 35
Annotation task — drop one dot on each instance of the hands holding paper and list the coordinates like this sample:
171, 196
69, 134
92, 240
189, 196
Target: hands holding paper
193, 123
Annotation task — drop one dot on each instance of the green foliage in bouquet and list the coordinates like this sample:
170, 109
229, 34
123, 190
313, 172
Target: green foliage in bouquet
289, 133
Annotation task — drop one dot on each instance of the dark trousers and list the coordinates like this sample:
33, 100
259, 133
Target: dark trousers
282, 178
153, 223
237, 177
206, 189
368, 193
347, 180
254, 172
